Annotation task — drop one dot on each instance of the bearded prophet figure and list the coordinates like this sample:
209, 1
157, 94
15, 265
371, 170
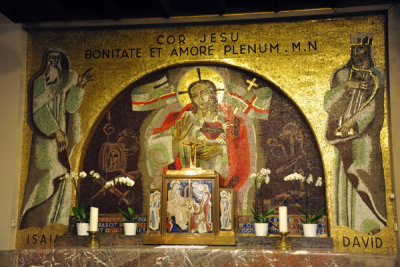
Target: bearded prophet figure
57, 92
355, 104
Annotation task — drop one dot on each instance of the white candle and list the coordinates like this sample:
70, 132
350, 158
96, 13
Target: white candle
94, 216
283, 219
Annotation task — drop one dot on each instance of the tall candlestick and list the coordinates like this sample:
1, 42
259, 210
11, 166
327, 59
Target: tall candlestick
283, 219
94, 216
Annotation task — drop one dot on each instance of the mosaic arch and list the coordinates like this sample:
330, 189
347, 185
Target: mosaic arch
256, 126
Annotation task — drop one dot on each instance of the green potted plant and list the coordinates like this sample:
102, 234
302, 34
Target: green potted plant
82, 225
310, 221
130, 223
261, 222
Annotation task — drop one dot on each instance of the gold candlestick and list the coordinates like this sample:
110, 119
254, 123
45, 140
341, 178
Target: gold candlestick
283, 244
92, 242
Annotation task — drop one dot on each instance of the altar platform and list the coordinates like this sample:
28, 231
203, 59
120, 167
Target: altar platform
249, 251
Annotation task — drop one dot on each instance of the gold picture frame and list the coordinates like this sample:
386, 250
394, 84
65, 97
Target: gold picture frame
190, 210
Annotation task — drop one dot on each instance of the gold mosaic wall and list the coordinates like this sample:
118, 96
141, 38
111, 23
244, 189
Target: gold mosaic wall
300, 59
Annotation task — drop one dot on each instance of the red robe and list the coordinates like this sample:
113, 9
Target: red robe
237, 145
204, 208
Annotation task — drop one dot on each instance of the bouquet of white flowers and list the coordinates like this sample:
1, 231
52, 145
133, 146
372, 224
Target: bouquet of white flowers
129, 215
308, 185
262, 177
80, 211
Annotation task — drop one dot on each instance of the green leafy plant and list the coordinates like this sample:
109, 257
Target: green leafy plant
261, 218
80, 213
129, 215
311, 219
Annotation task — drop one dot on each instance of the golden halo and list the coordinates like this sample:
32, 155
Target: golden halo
192, 76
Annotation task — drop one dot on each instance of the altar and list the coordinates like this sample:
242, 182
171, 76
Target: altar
119, 250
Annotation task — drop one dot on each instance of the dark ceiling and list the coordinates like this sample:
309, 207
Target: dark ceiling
77, 10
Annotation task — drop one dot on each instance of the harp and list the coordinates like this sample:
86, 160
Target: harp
360, 98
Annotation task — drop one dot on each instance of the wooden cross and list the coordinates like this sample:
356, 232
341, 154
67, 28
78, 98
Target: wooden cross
251, 84
193, 143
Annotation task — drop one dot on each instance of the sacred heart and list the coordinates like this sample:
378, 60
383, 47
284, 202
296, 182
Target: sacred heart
212, 130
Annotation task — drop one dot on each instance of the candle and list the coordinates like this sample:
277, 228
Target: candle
283, 219
94, 216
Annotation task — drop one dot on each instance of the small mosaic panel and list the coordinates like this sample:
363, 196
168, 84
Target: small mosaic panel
154, 210
201, 215
178, 217
226, 209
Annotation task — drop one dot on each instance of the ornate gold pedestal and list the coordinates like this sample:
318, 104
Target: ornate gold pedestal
92, 242
283, 244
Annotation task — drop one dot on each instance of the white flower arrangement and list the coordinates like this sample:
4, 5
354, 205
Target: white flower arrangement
129, 215
294, 177
94, 174
309, 179
259, 178
80, 212
318, 182
307, 185
120, 180
75, 176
